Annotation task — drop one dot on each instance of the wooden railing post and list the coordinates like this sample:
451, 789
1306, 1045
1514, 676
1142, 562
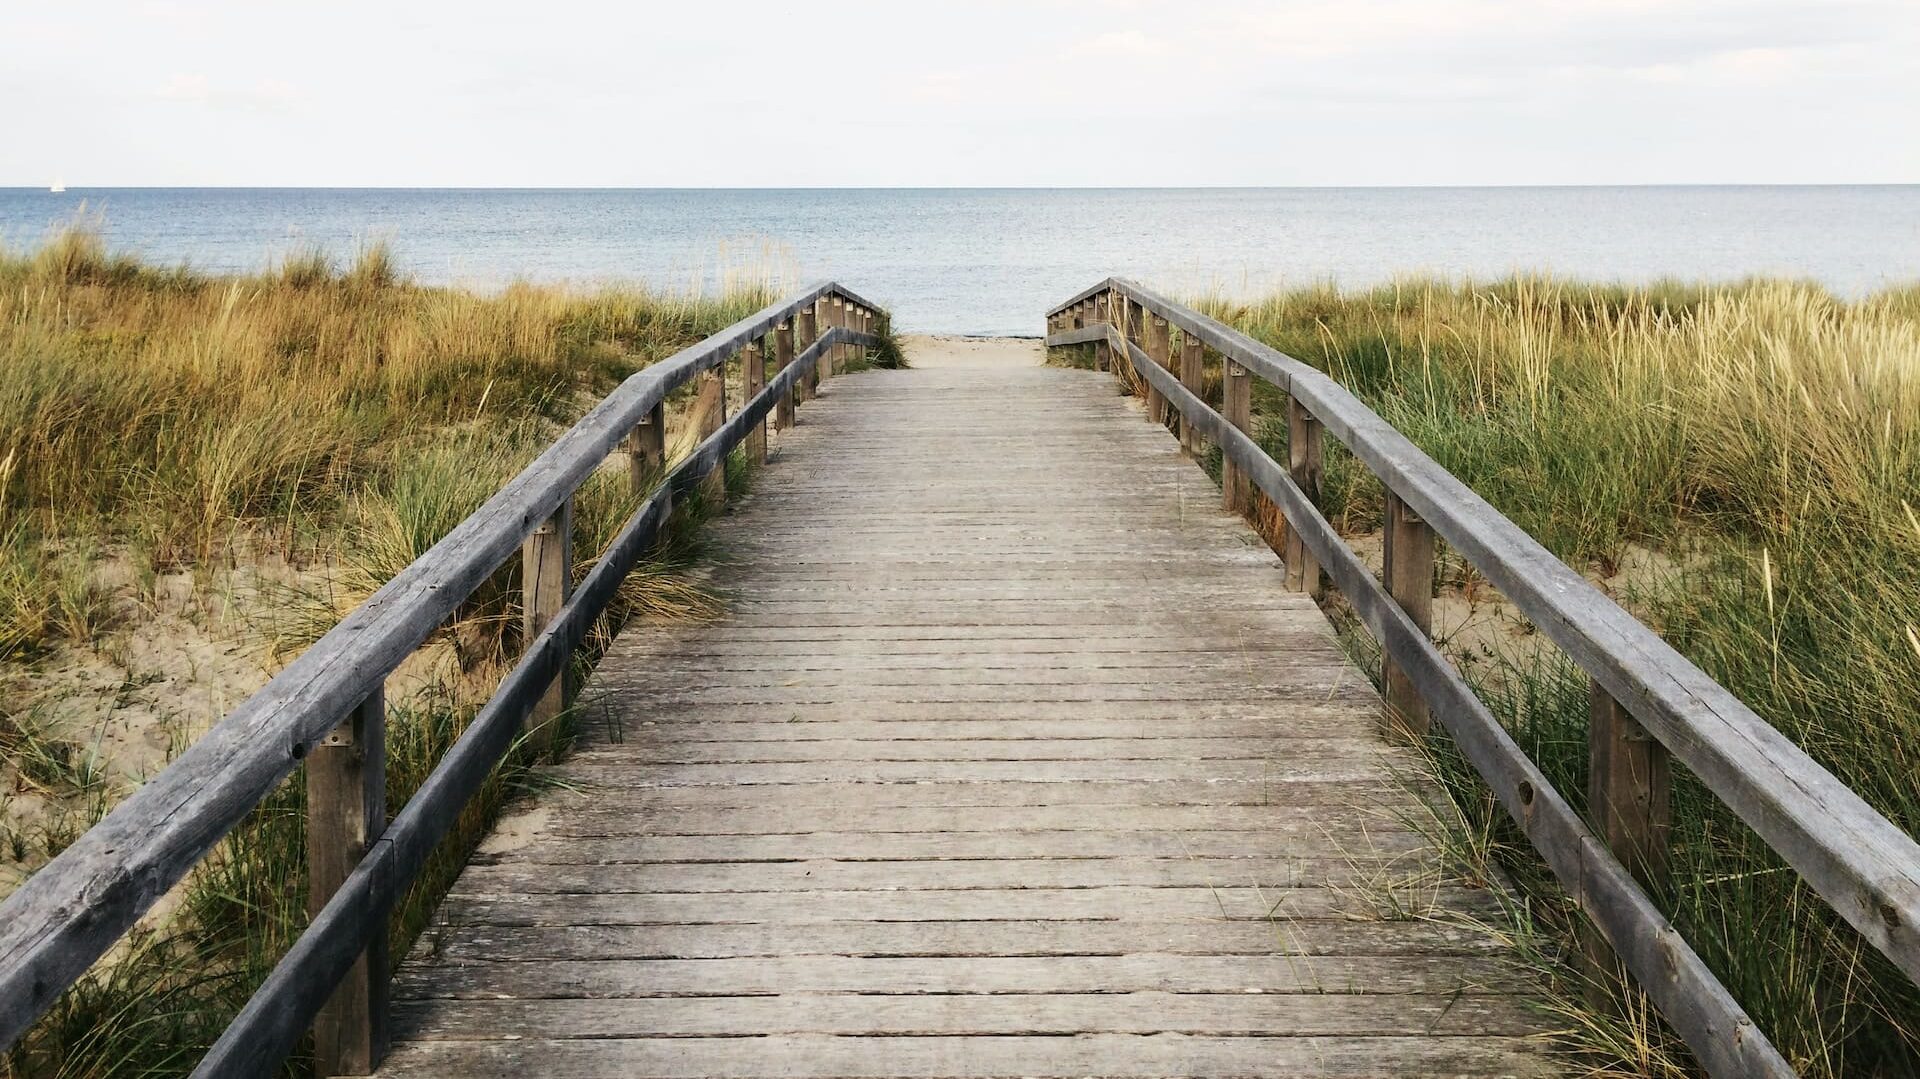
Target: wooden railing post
1102, 351
647, 450
1236, 404
546, 580
756, 377
1193, 376
782, 356
811, 324
346, 812
1408, 573
836, 318
1303, 463
1158, 348
710, 411
1629, 799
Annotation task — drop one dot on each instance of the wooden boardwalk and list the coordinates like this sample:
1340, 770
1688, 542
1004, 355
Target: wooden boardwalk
1013, 757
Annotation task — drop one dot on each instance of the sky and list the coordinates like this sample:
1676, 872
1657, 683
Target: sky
566, 93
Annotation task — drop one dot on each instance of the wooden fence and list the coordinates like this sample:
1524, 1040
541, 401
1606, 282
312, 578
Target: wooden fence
1649, 703
326, 709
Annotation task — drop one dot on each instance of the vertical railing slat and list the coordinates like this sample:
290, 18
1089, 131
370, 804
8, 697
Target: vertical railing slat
1303, 464
1236, 404
782, 356
546, 580
1408, 576
1193, 376
756, 380
346, 811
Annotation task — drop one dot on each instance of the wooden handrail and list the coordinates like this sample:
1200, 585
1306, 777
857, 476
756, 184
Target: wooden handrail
1863, 864
69, 913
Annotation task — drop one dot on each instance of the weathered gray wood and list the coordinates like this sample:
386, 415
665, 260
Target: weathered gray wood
1629, 798
1304, 447
935, 938
1159, 345
1102, 352
647, 450
266, 1029
709, 412
754, 359
546, 581
1193, 375
983, 974
782, 356
526, 878
1117, 1056
1865, 866
1631, 790
810, 327
837, 318
69, 913
1078, 336
1408, 577
1236, 393
346, 811
1715, 1027
798, 800
1406, 1015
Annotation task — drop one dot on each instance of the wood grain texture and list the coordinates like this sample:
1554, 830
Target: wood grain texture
1003, 762
346, 811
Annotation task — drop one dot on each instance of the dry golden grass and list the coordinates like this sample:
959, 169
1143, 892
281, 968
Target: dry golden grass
1766, 437
344, 419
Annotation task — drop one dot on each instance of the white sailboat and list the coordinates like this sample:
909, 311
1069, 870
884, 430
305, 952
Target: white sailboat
57, 187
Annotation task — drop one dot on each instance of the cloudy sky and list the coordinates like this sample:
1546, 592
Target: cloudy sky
1036, 92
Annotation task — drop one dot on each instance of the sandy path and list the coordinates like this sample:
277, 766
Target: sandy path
944, 351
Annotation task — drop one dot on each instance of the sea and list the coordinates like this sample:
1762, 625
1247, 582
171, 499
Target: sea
990, 261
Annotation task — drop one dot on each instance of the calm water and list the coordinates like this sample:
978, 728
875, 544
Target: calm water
991, 261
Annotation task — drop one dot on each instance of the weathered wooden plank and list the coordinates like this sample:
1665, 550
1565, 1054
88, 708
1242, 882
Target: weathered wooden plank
1141, 769
1317, 791
546, 582
602, 818
612, 846
1407, 556
1147, 1012
480, 943
754, 360
525, 877
1193, 374
346, 811
649, 751
647, 451
976, 904
1117, 1056
1278, 974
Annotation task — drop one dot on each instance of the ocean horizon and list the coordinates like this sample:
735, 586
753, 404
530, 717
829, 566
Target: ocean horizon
989, 261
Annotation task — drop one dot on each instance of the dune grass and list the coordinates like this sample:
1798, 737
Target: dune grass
339, 418
1763, 438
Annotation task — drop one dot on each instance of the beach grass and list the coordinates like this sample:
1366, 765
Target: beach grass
331, 419
1739, 464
